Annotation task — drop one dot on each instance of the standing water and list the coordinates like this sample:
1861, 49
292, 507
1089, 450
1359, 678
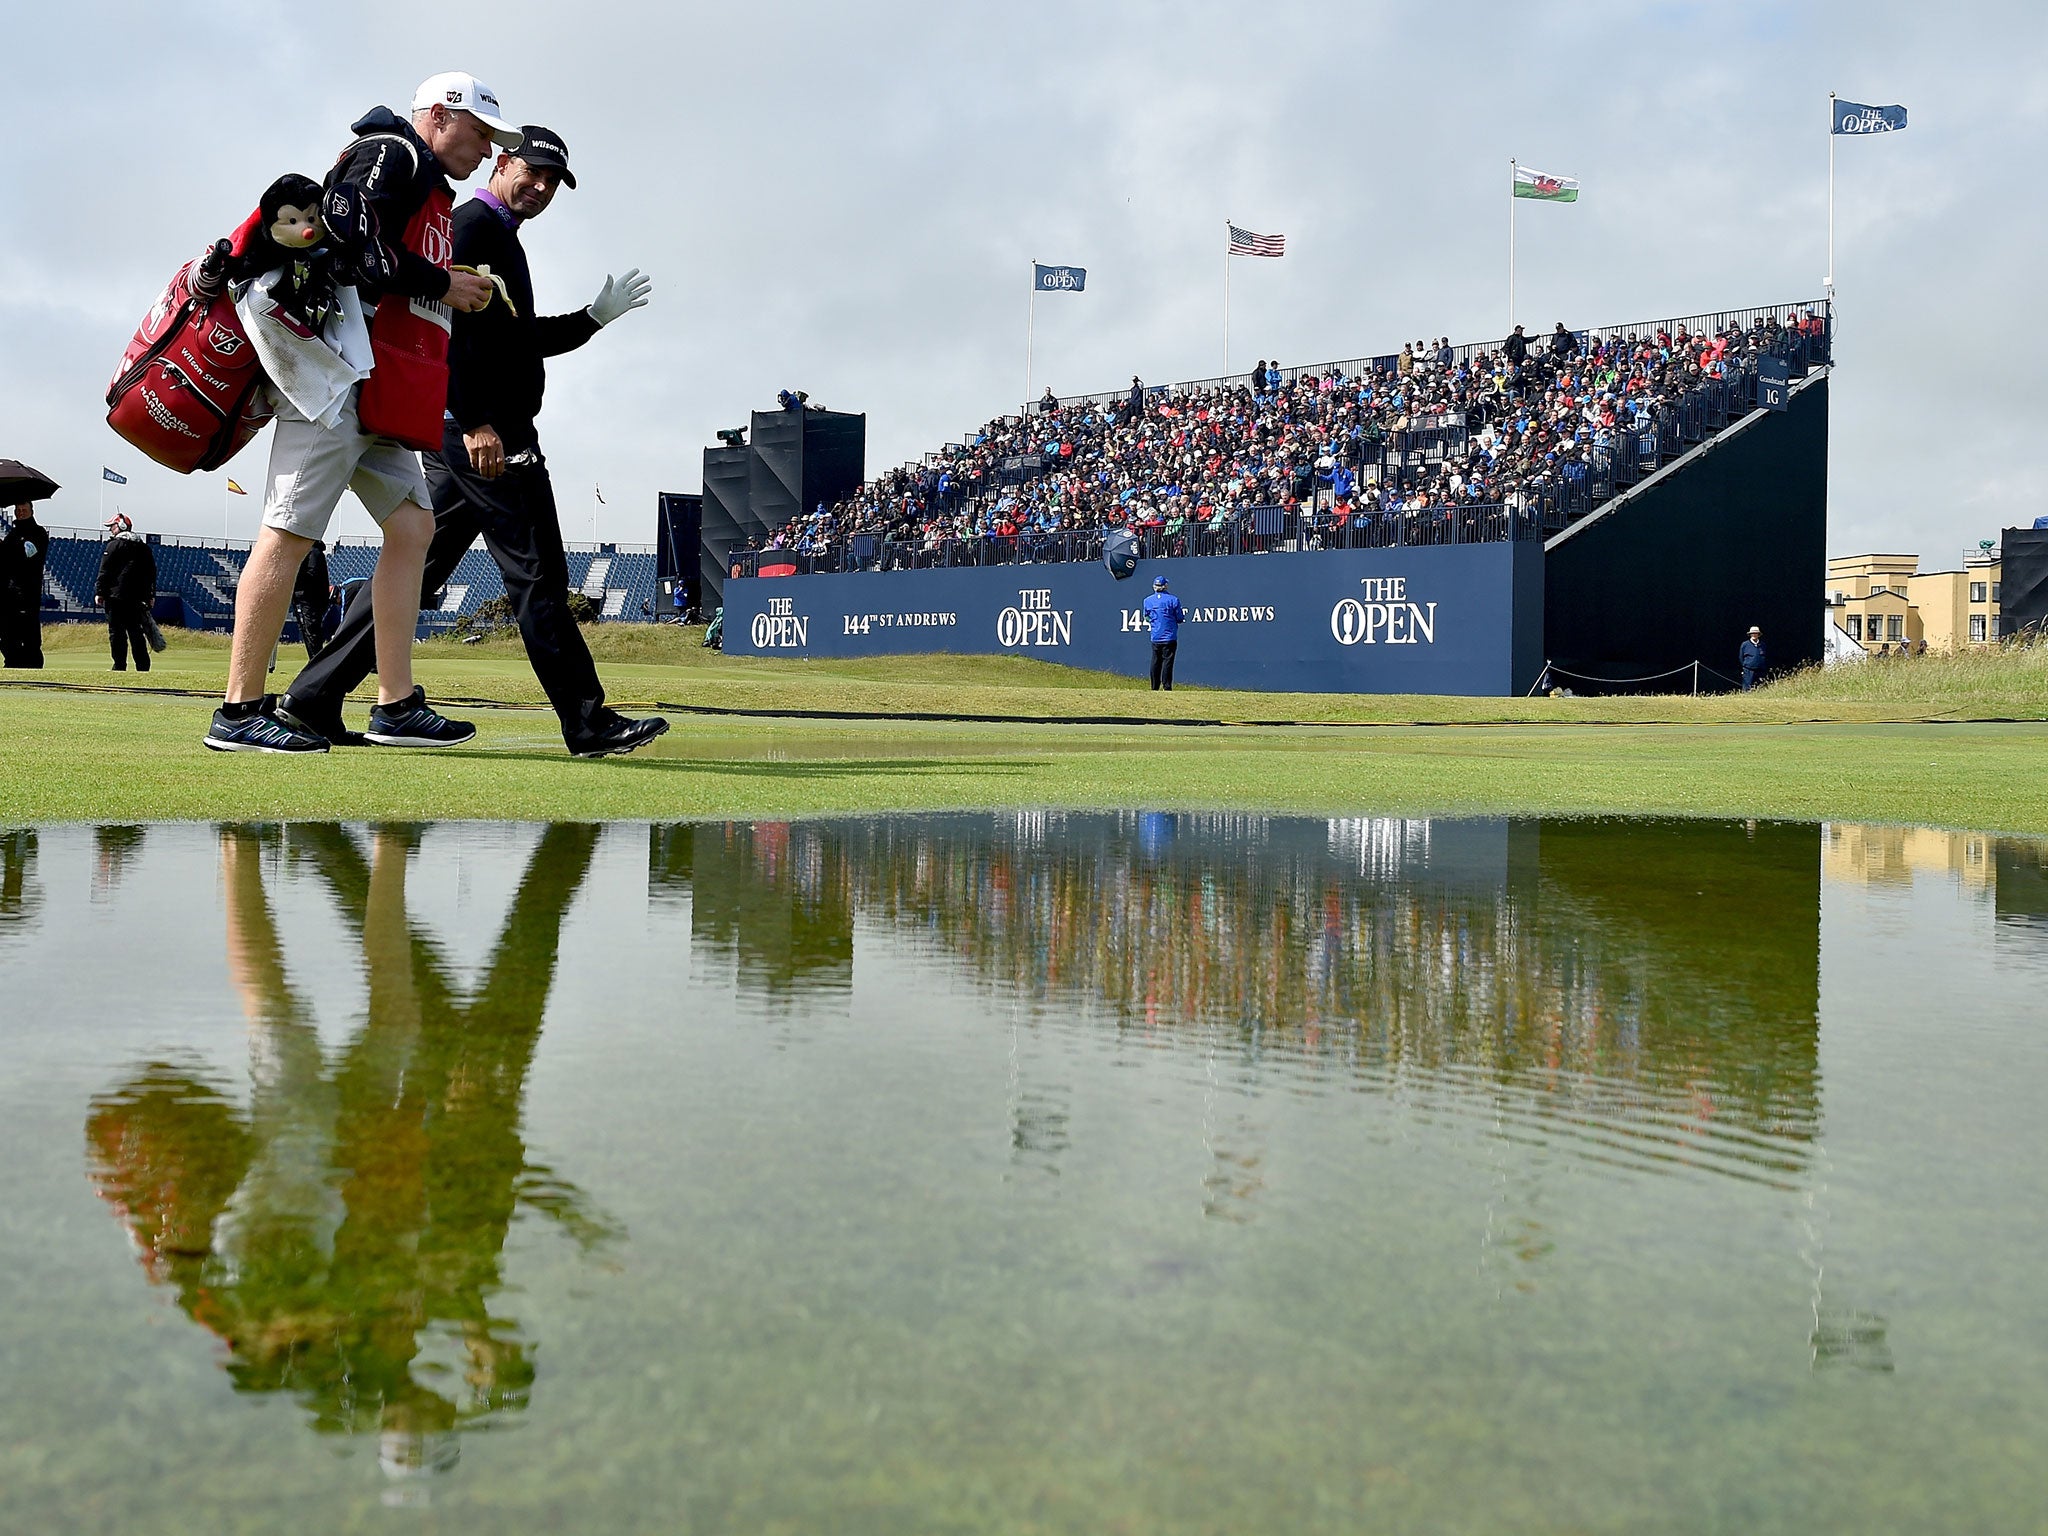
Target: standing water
1024, 1172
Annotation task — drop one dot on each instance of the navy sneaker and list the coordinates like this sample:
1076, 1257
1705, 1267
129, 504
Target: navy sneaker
618, 736
413, 722
260, 731
316, 719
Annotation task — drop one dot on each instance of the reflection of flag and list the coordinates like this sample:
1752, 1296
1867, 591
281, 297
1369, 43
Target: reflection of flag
1550, 189
1046, 279
1850, 117
236, 489
108, 474
1244, 243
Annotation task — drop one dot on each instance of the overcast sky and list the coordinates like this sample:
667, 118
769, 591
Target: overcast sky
846, 199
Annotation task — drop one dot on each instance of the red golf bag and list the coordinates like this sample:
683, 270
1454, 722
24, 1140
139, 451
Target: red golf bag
189, 389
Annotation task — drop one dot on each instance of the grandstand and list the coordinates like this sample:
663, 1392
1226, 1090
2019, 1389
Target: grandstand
1432, 444
1601, 510
196, 579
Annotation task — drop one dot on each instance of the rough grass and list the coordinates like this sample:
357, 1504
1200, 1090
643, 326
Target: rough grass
80, 743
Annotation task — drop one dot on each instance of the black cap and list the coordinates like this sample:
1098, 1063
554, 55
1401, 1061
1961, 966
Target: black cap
544, 147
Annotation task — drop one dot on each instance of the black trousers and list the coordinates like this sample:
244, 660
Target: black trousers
125, 633
21, 634
516, 515
1162, 663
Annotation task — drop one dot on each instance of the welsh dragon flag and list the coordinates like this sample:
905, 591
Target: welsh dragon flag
1550, 189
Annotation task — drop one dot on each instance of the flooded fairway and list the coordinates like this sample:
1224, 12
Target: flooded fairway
1023, 1172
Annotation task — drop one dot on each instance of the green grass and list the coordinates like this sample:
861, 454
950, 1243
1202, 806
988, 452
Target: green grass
78, 742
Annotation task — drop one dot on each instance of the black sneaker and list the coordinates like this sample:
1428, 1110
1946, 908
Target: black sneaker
314, 718
413, 722
618, 736
261, 731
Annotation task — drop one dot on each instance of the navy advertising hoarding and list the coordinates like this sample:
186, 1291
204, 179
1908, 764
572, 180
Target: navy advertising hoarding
1454, 619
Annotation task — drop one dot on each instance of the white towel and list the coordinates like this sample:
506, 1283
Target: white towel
315, 373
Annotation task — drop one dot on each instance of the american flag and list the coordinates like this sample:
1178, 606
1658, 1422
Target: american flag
1244, 243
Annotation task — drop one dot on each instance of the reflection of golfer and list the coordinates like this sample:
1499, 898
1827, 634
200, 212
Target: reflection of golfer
348, 1230
1164, 610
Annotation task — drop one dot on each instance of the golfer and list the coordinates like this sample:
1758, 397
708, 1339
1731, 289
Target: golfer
490, 476
1164, 611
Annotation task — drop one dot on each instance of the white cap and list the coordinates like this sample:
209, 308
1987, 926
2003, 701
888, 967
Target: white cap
465, 93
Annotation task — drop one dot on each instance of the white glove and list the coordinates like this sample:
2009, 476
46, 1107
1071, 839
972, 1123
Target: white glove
618, 295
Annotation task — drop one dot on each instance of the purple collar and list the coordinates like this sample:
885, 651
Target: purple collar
493, 202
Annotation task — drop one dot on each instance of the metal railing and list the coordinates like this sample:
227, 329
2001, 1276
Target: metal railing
1253, 531
1707, 324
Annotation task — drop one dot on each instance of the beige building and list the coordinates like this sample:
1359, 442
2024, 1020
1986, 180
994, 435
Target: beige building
1886, 602
1881, 855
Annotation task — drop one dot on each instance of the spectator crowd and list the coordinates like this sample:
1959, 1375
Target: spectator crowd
1421, 432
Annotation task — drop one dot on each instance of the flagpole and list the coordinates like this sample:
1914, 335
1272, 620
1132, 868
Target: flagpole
1511, 247
1030, 322
1829, 283
1226, 299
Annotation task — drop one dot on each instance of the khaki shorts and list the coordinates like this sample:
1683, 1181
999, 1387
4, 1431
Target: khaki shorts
311, 465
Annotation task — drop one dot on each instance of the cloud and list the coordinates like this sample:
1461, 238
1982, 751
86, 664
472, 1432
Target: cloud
846, 199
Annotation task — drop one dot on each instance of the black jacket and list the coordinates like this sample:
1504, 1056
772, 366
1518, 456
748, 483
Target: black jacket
22, 554
127, 572
495, 372
1516, 348
394, 184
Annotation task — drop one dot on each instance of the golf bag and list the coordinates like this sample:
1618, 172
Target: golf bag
189, 389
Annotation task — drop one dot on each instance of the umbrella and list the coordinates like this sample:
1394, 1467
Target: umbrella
19, 483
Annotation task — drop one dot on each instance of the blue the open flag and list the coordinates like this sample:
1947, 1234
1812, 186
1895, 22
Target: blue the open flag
1058, 279
1853, 117
108, 474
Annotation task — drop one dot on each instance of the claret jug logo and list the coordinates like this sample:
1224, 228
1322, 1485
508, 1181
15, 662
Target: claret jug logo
1383, 615
780, 628
1034, 621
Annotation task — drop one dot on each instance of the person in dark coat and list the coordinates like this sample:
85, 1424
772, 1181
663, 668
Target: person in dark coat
126, 588
1563, 344
491, 477
1516, 347
1752, 658
22, 553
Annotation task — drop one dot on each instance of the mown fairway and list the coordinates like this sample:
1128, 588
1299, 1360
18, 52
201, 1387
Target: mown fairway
1945, 741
